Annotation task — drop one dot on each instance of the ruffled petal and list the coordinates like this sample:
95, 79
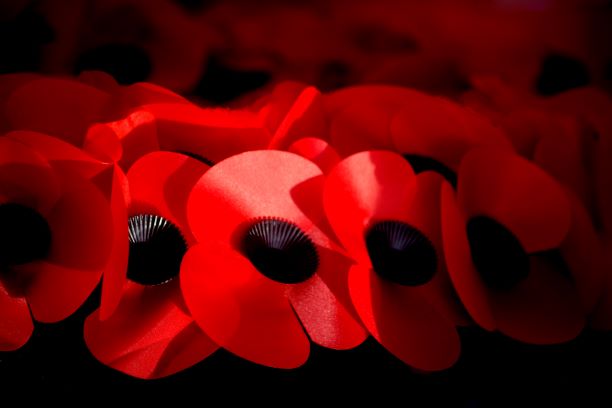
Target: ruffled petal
15, 321
240, 309
317, 151
465, 278
517, 194
404, 322
149, 335
366, 187
543, 309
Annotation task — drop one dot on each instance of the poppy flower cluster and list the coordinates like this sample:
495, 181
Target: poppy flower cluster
301, 217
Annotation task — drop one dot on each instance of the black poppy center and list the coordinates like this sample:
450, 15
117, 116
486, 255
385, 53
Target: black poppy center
560, 73
401, 253
422, 163
157, 248
25, 235
280, 250
498, 256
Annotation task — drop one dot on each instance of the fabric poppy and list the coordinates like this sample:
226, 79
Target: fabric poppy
150, 333
388, 219
264, 276
522, 254
57, 237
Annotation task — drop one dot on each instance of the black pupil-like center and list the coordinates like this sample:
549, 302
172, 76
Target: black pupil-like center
497, 254
422, 163
280, 250
401, 253
25, 235
157, 248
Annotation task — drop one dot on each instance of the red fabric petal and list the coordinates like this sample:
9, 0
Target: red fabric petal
317, 151
149, 335
386, 97
161, 182
26, 177
516, 193
366, 187
211, 133
62, 156
437, 128
254, 185
81, 227
583, 253
115, 271
467, 282
240, 309
543, 309
15, 322
59, 107
361, 126
323, 304
424, 214
125, 140
304, 117
404, 322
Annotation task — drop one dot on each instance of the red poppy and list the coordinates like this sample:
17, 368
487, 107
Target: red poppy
522, 255
388, 220
150, 334
264, 276
57, 237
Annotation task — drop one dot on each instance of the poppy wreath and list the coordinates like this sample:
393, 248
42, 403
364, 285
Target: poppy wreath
299, 217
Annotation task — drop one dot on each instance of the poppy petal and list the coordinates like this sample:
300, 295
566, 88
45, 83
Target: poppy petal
115, 271
149, 335
317, 151
373, 185
304, 117
240, 309
463, 274
62, 156
15, 321
323, 305
436, 128
26, 177
174, 176
214, 134
516, 193
81, 226
388, 97
361, 126
59, 107
404, 322
542, 309
583, 253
